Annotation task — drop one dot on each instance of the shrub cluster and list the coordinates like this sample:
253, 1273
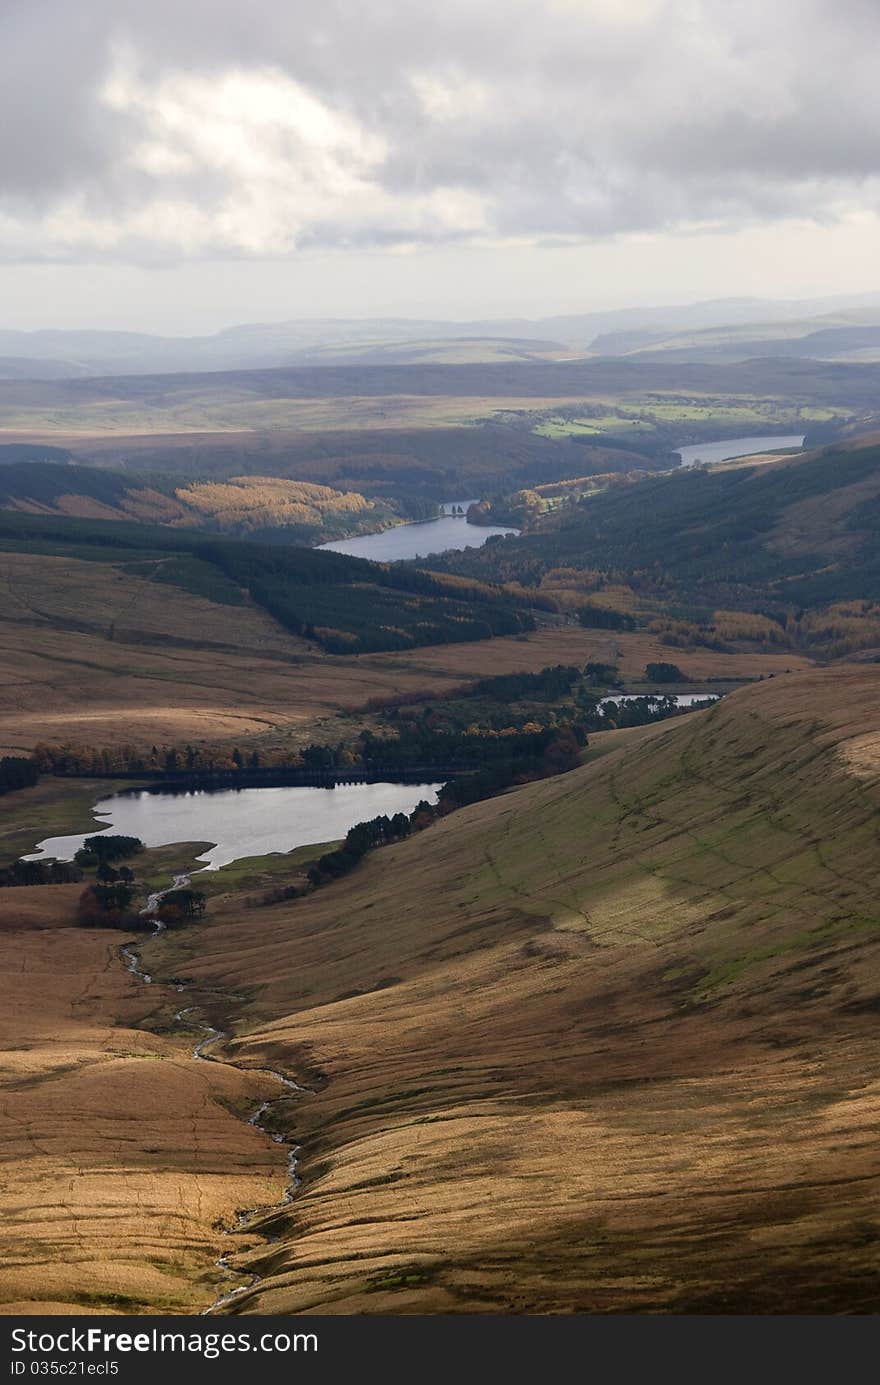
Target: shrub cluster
604, 618
105, 847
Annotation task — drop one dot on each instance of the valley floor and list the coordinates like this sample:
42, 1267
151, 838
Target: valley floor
606, 1043
98, 657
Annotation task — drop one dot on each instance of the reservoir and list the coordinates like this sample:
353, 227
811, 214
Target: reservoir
680, 699
242, 822
449, 531
708, 452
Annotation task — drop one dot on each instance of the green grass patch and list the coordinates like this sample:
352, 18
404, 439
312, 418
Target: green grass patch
405, 1279
727, 972
255, 872
52, 808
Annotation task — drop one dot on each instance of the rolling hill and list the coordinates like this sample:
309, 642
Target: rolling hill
781, 541
115, 634
605, 1043
300, 341
297, 511
853, 336
433, 430
343, 604
193, 396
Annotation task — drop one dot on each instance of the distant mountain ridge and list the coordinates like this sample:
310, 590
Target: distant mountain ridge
61, 353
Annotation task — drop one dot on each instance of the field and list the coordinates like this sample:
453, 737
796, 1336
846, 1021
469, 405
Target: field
365, 397
48, 809
652, 417
223, 413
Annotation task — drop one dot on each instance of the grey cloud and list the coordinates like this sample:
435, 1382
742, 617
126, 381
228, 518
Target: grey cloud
51, 135
561, 117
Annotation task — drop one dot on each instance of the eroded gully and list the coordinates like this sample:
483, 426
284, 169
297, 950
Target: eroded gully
209, 1036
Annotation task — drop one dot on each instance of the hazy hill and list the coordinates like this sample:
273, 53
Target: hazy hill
462, 350
299, 341
40, 368
853, 336
361, 395
605, 1043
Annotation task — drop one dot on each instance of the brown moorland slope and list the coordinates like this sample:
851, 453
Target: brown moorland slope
605, 1043
97, 655
122, 1158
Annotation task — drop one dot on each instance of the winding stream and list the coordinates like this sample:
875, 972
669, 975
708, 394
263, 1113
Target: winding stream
211, 1035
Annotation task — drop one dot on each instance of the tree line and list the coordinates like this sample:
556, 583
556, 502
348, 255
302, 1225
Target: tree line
18, 772
345, 604
39, 873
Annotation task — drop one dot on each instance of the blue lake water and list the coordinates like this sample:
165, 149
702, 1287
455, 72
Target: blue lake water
708, 452
448, 531
242, 822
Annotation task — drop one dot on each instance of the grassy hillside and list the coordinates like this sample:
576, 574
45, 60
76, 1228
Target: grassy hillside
346, 605
781, 543
605, 1043
104, 646
460, 350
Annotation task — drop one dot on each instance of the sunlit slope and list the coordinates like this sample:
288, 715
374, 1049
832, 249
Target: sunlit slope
120, 1156
782, 538
604, 1043
242, 505
366, 395
104, 651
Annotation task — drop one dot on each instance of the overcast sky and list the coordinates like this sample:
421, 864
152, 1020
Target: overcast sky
179, 165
